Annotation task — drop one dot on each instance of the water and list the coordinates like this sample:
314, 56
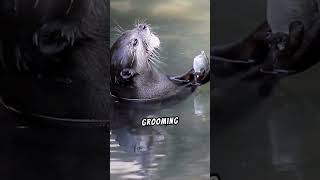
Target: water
173, 152
33, 151
255, 138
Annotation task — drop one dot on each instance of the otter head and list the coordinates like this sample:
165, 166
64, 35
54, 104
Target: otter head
132, 56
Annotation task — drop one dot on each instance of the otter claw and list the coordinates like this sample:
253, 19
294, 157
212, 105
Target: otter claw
234, 61
179, 80
36, 39
36, 4
70, 6
277, 71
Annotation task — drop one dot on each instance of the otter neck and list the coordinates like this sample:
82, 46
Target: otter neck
153, 84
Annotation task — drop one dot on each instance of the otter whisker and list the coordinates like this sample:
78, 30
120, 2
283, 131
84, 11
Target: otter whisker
153, 59
118, 33
18, 58
70, 6
143, 21
118, 25
118, 30
36, 4
137, 22
154, 64
158, 61
156, 52
155, 56
14, 5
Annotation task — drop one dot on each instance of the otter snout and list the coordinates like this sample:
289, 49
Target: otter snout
152, 40
143, 27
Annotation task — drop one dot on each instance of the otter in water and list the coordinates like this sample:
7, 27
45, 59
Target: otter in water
55, 60
134, 76
285, 44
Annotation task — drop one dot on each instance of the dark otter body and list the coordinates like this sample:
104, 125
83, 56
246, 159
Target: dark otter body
268, 57
133, 75
54, 60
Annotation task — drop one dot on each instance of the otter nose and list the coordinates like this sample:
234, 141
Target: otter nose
143, 27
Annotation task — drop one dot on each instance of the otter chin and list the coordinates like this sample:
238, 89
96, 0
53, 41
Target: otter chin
134, 74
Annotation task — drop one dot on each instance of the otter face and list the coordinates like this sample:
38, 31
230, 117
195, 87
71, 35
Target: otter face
133, 53
42, 32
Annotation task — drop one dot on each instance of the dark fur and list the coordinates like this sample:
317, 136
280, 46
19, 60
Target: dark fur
300, 54
55, 59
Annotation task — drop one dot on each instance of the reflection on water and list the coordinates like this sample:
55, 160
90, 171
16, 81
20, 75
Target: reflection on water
141, 146
33, 151
166, 152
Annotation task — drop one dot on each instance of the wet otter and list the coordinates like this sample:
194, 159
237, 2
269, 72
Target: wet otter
135, 78
55, 60
286, 44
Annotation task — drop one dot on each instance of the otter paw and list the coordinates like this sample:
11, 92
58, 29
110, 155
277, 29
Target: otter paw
278, 41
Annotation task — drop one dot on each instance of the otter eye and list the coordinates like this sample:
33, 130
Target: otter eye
135, 42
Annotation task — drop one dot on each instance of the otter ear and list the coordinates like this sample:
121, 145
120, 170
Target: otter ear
296, 32
54, 37
127, 74
296, 27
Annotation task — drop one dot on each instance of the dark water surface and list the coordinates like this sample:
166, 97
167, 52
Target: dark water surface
51, 153
253, 138
175, 152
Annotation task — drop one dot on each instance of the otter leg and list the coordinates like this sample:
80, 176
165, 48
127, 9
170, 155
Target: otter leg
193, 78
237, 57
184, 78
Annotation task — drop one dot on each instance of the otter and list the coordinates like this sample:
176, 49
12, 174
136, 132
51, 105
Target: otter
284, 45
134, 76
54, 59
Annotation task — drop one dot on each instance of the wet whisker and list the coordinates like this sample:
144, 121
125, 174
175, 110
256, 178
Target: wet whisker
36, 3
70, 6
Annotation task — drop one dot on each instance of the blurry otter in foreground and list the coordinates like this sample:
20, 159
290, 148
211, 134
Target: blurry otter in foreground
55, 60
287, 43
